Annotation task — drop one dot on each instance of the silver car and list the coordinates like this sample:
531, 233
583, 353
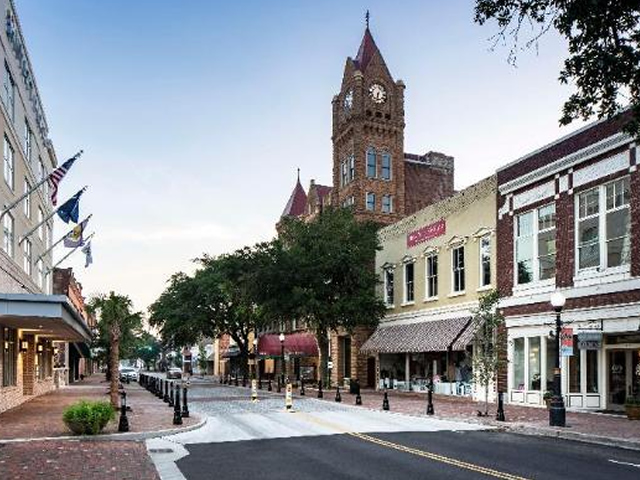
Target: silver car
174, 372
129, 373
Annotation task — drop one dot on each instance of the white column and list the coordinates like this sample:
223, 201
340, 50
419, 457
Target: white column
407, 364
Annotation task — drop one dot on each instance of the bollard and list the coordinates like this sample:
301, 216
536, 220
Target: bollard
244, 381
165, 399
269, 386
500, 413
254, 390
123, 424
320, 389
160, 388
302, 387
259, 383
236, 381
358, 397
288, 397
127, 379
430, 400
177, 415
221, 379
385, 401
338, 396
171, 395
185, 407
279, 386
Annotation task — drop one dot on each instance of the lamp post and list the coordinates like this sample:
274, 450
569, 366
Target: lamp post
281, 337
557, 411
255, 358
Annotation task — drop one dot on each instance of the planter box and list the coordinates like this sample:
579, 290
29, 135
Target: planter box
632, 411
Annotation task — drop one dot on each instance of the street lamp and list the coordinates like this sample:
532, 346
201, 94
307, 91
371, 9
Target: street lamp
255, 358
557, 411
281, 337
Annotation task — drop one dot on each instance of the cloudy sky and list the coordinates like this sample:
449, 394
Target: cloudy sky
195, 114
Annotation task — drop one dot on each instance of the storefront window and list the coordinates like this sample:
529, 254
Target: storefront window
534, 363
592, 371
574, 368
518, 363
552, 353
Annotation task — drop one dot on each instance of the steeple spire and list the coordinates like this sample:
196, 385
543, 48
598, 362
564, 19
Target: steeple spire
366, 18
367, 48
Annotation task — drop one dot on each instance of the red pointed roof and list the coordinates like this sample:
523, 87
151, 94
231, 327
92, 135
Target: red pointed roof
366, 51
297, 202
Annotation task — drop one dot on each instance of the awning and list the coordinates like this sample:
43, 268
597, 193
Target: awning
294, 344
83, 349
427, 336
50, 316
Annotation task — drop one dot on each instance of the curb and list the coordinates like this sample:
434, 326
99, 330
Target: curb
129, 436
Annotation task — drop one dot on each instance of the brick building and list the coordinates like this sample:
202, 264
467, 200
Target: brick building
569, 221
31, 318
372, 173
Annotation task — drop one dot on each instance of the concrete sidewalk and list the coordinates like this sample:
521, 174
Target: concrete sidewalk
42, 416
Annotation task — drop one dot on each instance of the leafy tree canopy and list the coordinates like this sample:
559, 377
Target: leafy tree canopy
604, 55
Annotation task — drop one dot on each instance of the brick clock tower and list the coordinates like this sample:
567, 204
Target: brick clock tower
368, 138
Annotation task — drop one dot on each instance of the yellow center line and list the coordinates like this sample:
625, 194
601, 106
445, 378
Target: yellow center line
414, 451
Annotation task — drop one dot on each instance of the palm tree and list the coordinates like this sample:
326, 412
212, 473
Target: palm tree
115, 322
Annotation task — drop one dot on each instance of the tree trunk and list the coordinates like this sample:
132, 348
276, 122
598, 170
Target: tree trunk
114, 360
323, 355
486, 399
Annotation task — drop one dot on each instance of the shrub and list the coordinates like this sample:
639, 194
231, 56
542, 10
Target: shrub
632, 402
88, 418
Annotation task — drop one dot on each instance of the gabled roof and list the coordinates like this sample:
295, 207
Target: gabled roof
297, 202
322, 191
366, 51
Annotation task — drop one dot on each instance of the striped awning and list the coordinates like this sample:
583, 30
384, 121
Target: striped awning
427, 336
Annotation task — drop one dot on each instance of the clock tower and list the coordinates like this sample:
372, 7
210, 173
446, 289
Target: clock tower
368, 138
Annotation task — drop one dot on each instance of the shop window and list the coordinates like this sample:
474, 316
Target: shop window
458, 269
432, 275
536, 245
408, 282
9, 346
603, 226
592, 371
485, 261
534, 363
518, 363
552, 354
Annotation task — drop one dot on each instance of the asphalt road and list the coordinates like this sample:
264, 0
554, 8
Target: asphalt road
324, 440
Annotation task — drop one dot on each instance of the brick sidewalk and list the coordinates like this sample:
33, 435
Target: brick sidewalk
518, 417
76, 460
42, 416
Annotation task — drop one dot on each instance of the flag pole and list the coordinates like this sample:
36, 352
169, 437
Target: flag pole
49, 270
30, 232
61, 239
13, 205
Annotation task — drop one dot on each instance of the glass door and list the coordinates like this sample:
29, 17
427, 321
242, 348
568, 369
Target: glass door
635, 373
617, 378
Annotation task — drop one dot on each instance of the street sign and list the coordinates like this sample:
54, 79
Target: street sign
589, 340
288, 398
329, 365
566, 342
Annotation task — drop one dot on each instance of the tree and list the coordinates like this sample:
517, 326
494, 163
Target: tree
148, 349
488, 343
323, 274
117, 328
604, 51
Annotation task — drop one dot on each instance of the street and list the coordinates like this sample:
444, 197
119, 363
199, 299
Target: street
329, 440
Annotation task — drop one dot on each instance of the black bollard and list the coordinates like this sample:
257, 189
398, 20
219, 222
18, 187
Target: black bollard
320, 395
385, 401
171, 395
338, 397
358, 397
259, 383
430, 400
159, 393
123, 424
236, 382
244, 380
128, 380
269, 386
302, 387
185, 407
279, 386
221, 379
500, 413
165, 399
177, 415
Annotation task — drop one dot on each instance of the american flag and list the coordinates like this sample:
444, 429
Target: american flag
56, 177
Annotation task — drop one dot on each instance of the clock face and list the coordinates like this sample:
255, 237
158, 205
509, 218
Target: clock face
377, 93
348, 101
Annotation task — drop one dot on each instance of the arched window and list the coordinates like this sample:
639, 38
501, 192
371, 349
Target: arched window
385, 170
371, 163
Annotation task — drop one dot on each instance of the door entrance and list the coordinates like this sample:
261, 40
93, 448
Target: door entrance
624, 376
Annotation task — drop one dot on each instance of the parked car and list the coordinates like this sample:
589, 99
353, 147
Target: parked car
174, 372
128, 373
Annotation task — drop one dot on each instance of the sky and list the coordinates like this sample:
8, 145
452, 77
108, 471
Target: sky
195, 114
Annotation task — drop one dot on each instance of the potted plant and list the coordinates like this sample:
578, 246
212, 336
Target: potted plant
632, 408
88, 418
547, 398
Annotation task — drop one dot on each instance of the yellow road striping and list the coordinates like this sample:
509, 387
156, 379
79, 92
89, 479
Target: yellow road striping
414, 451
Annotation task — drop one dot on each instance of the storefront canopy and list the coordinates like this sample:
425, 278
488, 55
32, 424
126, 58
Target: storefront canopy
427, 336
294, 344
49, 316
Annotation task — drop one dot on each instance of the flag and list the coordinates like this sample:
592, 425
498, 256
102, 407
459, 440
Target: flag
87, 253
57, 175
74, 238
70, 210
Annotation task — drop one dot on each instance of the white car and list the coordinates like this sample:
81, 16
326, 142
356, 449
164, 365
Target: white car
174, 372
129, 373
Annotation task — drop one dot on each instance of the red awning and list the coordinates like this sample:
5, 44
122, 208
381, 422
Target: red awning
294, 344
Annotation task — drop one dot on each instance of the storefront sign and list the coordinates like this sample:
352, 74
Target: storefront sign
566, 342
589, 340
433, 230
329, 364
